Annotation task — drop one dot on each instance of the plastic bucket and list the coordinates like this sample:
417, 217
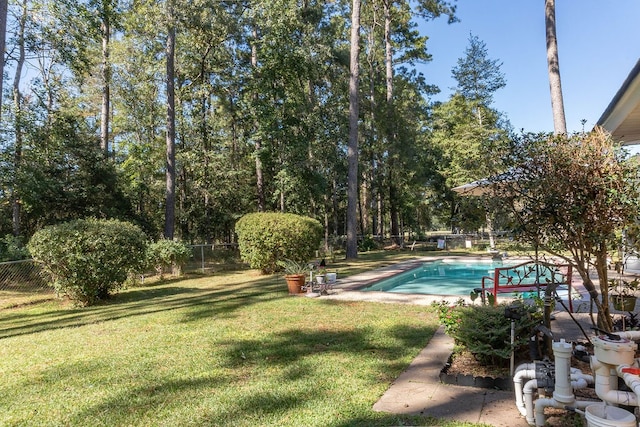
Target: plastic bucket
331, 277
600, 415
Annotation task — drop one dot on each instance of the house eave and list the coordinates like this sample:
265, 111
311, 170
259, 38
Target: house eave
622, 117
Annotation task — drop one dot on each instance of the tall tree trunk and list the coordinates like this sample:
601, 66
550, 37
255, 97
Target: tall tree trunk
16, 208
489, 220
105, 28
327, 246
258, 140
391, 133
3, 35
206, 149
335, 204
388, 53
170, 174
396, 236
368, 187
352, 151
380, 214
555, 86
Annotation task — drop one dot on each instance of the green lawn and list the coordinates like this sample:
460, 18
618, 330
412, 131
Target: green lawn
232, 349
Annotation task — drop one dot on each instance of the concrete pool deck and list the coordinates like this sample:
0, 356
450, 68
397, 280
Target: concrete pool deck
418, 390
349, 288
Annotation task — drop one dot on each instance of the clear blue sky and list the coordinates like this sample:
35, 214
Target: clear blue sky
598, 45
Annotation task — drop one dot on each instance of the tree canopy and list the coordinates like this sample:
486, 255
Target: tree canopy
570, 196
260, 94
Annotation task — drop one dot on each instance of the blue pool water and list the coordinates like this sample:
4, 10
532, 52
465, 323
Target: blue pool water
444, 277
440, 278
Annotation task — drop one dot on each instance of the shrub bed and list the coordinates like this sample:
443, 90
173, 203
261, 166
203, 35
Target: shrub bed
485, 331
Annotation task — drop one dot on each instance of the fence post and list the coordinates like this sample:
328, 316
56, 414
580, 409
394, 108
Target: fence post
202, 257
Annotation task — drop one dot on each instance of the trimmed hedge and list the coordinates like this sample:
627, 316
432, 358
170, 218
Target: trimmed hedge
265, 238
89, 259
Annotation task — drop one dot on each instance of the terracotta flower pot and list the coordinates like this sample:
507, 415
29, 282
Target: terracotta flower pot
295, 283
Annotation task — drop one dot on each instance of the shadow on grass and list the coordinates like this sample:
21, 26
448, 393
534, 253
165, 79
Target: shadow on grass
297, 382
293, 345
295, 354
202, 302
144, 399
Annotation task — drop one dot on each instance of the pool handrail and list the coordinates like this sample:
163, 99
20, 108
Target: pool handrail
511, 287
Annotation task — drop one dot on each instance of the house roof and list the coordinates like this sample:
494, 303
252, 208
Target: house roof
622, 116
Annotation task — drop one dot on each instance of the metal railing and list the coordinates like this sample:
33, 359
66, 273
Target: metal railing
530, 276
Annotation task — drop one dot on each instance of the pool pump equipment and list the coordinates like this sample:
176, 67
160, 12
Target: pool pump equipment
540, 385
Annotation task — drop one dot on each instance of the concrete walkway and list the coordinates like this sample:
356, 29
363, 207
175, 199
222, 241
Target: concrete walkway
419, 390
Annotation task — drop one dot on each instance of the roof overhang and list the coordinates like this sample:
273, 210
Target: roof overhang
622, 116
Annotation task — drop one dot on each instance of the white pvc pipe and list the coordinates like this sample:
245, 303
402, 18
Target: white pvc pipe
525, 366
563, 392
527, 371
519, 376
606, 391
529, 388
580, 381
579, 376
540, 404
631, 380
562, 354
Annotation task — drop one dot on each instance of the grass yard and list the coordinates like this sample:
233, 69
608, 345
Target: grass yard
232, 349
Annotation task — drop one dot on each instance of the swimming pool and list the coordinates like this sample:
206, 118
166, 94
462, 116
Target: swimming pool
442, 277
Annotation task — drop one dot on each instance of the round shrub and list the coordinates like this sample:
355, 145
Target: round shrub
268, 237
490, 344
168, 254
89, 259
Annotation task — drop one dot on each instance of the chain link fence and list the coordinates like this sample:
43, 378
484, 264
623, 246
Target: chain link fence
23, 282
212, 257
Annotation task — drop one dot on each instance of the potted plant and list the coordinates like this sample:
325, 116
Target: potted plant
295, 275
623, 293
321, 275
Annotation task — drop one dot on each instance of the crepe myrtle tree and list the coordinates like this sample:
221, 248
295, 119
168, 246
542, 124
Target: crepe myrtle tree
569, 195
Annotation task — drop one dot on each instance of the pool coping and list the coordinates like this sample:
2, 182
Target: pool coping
360, 281
350, 287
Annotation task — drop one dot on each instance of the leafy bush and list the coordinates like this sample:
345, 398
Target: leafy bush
89, 259
168, 254
12, 248
266, 238
367, 244
449, 315
491, 343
